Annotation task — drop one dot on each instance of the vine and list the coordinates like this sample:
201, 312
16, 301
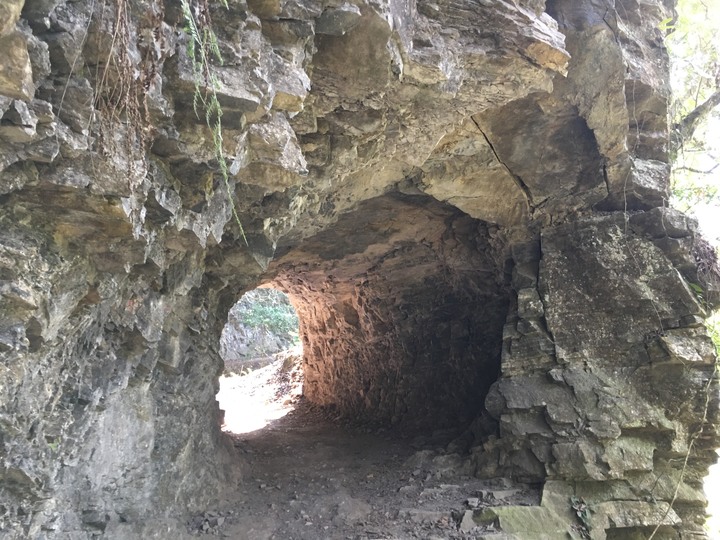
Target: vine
202, 49
122, 83
121, 88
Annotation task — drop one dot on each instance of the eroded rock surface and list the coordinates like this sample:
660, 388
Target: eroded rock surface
464, 199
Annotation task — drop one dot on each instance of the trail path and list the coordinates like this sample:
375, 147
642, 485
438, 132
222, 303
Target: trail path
306, 477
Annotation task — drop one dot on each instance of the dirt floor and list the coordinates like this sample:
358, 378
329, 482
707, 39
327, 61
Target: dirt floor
307, 477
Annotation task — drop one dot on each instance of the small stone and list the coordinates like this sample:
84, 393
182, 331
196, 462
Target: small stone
501, 494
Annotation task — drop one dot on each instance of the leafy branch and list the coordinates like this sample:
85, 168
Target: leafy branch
684, 129
695, 65
202, 49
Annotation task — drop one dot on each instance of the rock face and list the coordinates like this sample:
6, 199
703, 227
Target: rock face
465, 201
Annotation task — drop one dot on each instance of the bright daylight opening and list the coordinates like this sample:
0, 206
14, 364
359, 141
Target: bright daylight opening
263, 377
694, 46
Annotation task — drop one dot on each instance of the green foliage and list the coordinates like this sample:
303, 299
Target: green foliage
203, 50
270, 310
695, 52
694, 45
276, 319
693, 190
666, 25
699, 293
582, 511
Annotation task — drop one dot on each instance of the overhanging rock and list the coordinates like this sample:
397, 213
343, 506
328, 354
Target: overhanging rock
464, 199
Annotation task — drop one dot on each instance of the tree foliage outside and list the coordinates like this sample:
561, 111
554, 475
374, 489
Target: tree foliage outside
269, 310
694, 44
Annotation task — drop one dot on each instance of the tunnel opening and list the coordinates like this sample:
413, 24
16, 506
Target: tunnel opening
262, 377
401, 305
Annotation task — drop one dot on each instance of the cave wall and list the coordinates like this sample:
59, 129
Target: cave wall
442, 187
608, 375
401, 307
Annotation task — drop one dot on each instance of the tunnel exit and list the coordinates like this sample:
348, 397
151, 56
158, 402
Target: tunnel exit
263, 378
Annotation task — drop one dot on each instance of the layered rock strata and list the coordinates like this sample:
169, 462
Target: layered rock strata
466, 201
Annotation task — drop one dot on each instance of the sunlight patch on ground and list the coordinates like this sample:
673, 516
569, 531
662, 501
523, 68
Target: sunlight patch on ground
253, 400
245, 413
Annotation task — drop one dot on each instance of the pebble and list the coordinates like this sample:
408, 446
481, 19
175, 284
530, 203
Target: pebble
467, 523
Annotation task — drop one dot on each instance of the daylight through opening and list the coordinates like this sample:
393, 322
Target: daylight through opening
260, 346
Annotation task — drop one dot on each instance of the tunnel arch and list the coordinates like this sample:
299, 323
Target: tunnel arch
401, 306
262, 376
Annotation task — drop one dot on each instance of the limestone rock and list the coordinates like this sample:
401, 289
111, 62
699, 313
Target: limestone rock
16, 78
18, 123
337, 21
524, 522
464, 201
9, 15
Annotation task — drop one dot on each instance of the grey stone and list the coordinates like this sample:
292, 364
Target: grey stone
662, 222
404, 176
467, 523
337, 21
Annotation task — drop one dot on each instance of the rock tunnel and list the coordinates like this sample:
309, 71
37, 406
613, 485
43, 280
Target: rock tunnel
465, 201
402, 306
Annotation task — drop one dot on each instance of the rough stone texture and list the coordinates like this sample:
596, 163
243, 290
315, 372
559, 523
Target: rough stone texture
450, 191
401, 309
601, 372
